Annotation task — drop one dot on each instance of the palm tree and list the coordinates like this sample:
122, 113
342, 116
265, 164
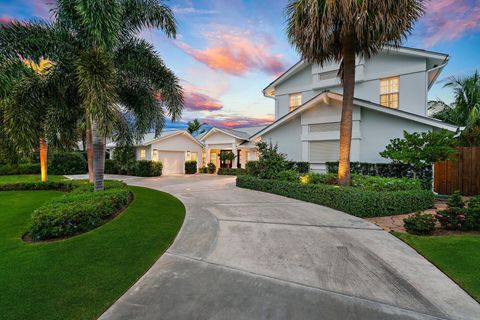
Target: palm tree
99, 59
324, 31
465, 109
195, 126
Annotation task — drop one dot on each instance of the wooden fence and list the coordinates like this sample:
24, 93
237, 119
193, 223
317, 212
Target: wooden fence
462, 173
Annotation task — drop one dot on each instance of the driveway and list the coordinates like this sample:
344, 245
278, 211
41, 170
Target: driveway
244, 254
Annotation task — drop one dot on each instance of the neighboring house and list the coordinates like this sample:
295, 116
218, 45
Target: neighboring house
391, 93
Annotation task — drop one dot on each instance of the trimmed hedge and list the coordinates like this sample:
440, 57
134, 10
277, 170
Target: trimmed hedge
191, 167
298, 166
67, 163
26, 168
147, 168
388, 170
231, 171
111, 167
355, 201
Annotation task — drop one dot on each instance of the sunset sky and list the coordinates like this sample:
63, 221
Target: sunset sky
227, 51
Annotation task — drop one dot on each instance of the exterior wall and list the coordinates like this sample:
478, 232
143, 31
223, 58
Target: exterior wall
412, 91
288, 138
219, 138
377, 129
148, 152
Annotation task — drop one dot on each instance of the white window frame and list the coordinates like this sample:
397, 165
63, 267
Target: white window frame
295, 100
390, 92
142, 154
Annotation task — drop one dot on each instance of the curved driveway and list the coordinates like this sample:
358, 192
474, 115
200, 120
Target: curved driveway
244, 254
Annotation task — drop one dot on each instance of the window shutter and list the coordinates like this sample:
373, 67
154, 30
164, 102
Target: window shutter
324, 151
324, 127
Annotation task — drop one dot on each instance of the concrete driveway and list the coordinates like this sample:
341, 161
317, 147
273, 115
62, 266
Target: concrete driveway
244, 254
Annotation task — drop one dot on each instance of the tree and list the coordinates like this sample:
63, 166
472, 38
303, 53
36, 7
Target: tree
195, 126
421, 149
325, 31
99, 59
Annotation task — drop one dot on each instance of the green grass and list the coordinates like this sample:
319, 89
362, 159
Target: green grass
27, 178
80, 277
458, 256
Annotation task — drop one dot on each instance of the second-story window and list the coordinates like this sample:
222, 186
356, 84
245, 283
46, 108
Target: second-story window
295, 101
389, 88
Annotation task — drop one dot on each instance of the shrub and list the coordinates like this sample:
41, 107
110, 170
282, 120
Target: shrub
75, 213
124, 156
25, 168
385, 184
316, 178
455, 200
474, 203
111, 167
387, 170
67, 163
211, 167
421, 224
271, 161
252, 168
148, 168
358, 202
298, 166
231, 171
454, 219
288, 175
190, 167
203, 170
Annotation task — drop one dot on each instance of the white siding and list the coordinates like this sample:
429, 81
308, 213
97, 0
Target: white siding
288, 138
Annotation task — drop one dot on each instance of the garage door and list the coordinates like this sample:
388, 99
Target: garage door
173, 161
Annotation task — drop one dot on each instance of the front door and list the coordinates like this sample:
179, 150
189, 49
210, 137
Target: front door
224, 163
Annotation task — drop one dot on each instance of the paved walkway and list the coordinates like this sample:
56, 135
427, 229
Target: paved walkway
243, 254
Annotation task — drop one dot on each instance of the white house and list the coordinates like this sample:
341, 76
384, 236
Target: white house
391, 92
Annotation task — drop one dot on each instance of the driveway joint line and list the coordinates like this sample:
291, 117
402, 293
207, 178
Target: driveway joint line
300, 224
218, 265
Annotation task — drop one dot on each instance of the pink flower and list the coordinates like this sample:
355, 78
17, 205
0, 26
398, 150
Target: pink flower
438, 216
461, 216
449, 224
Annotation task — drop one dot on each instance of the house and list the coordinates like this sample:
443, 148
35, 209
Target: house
391, 93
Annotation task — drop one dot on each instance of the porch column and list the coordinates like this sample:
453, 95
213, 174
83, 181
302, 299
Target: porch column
207, 154
234, 150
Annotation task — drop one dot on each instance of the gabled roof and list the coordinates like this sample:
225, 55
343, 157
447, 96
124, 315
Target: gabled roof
149, 138
231, 132
389, 49
325, 96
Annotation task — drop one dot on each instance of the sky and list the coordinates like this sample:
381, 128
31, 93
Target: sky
227, 51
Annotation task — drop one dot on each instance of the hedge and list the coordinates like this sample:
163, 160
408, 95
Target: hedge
191, 167
355, 201
27, 168
388, 170
67, 163
298, 166
231, 171
141, 168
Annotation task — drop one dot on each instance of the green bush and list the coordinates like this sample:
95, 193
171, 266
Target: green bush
387, 170
76, 213
355, 201
148, 168
319, 178
231, 171
455, 200
190, 167
288, 175
421, 224
67, 163
457, 217
24, 168
211, 167
385, 184
252, 168
111, 167
298, 166
203, 170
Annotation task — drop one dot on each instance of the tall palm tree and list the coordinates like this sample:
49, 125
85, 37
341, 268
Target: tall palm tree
99, 58
324, 31
195, 126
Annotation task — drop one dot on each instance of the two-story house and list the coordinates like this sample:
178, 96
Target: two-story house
391, 92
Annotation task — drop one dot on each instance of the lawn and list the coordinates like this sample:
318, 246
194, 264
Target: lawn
27, 178
456, 255
80, 277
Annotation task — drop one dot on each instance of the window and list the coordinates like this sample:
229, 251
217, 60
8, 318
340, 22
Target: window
191, 156
389, 92
155, 155
142, 154
295, 101
324, 151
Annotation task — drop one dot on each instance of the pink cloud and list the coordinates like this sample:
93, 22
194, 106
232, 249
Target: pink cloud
5, 19
236, 52
236, 121
197, 101
447, 20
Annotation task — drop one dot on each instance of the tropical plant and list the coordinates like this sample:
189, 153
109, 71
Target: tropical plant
271, 161
421, 149
195, 126
325, 31
98, 58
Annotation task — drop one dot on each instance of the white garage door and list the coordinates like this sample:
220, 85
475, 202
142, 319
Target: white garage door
173, 161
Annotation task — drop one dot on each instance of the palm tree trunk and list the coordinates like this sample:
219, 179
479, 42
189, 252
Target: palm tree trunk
89, 152
43, 159
98, 158
344, 178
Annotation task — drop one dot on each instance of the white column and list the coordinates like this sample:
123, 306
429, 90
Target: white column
234, 150
207, 154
